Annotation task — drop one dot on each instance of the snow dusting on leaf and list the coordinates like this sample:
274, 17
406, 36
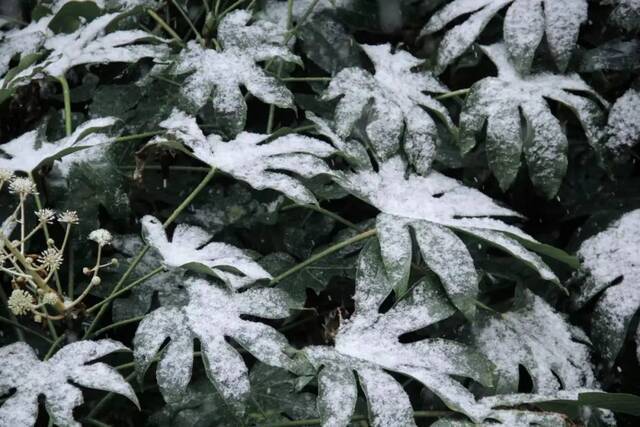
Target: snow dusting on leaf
21, 369
22, 42
394, 103
535, 336
435, 207
368, 343
625, 14
253, 159
213, 314
623, 128
525, 24
221, 74
31, 150
91, 44
191, 247
610, 259
499, 101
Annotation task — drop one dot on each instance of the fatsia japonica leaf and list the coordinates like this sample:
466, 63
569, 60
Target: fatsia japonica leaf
252, 158
368, 343
623, 127
92, 44
625, 13
191, 247
31, 150
212, 314
23, 41
219, 75
533, 335
394, 103
504, 101
525, 24
437, 208
610, 260
21, 369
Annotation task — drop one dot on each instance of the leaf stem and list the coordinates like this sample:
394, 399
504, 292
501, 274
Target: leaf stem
54, 347
453, 94
66, 95
117, 325
165, 26
124, 290
305, 79
323, 211
137, 136
20, 326
334, 248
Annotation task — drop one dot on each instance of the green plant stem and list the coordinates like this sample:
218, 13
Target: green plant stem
165, 26
334, 248
66, 94
54, 347
21, 327
188, 20
117, 325
95, 422
145, 248
316, 421
125, 289
323, 211
452, 94
305, 79
137, 136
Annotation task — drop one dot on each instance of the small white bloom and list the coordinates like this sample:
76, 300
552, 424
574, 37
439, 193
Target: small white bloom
50, 298
46, 215
20, 302
5, 176
101, 236
51, 258
23, 187
95, 281
70, 217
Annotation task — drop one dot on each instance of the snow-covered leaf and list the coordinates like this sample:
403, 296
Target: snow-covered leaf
525, 24
610, 259
393, 102
22, 42
191, 247
436, 208
213, 314
533, 335
221, 74
92, 44
623, 128
625, 14
500, 102
368, 343
31, 150
250, 157
21, 369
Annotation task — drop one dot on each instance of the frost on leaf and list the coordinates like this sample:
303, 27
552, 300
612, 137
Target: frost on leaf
191, 247
610, 261
436, 207
504, 101
525, 24
21, 369
368, 343
221, 74
625, 13
213, 314
394, 104
250, 157
92, 44
31, 150
533, 335
623, 128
